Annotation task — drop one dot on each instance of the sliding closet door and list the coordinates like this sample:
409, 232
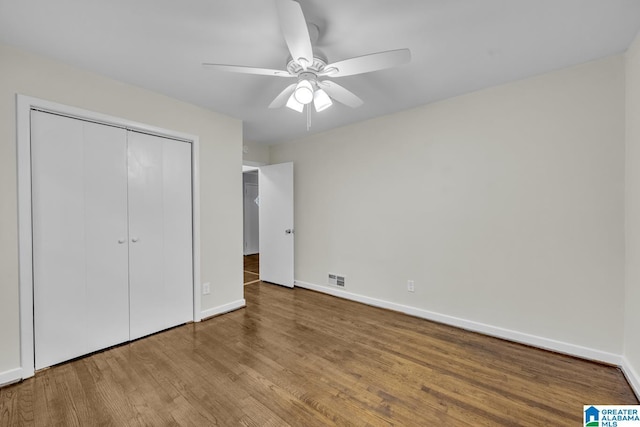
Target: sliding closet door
79, 188
160, 233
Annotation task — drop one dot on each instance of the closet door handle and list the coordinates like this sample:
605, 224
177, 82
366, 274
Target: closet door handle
121, 241
134, 239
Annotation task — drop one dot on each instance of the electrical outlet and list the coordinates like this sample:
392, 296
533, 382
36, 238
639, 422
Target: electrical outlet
410, 286
206, 288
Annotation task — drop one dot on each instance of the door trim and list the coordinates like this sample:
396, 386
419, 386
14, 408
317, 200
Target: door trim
24, 105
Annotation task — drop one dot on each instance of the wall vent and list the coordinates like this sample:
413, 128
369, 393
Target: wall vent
332, 279
336, 280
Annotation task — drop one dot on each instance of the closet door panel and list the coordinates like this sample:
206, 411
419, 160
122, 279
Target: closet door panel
146, 216
178, 230
57, 153
160, 230
107, 255
79, 216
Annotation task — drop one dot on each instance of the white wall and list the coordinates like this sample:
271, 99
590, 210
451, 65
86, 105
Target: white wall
255, 154
220, 178
632, 298
505, 206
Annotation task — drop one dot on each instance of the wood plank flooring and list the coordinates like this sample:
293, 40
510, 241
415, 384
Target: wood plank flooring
300, 358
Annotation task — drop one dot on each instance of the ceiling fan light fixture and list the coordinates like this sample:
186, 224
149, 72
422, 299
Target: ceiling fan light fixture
294, 104
306, 66
321, 100
303, 92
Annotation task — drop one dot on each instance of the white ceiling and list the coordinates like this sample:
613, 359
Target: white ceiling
458, 46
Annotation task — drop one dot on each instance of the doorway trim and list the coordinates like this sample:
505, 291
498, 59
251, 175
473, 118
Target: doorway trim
24, 105
253, 164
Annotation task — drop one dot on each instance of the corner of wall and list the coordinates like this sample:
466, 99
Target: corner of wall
632, 376
222, 309
255, 153
631, 351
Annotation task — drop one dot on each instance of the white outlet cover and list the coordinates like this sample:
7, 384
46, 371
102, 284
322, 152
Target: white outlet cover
206, 288
410, 286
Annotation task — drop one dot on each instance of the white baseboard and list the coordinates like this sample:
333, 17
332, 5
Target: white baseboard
495, 331
221, 309
11, 376
632, 376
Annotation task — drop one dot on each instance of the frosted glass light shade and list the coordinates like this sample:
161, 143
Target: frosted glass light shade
303, 92
321, 100
294, 104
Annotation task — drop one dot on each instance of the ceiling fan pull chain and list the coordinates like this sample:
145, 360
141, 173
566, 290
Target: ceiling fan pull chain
308, 117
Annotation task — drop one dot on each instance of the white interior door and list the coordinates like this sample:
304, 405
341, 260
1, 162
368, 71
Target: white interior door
160, 233
276, 223
79, 223
251, 219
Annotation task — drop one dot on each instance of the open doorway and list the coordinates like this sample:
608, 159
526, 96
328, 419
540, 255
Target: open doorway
268, 246
251, 225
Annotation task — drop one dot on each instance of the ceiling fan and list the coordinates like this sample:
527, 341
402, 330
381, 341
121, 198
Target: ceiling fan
311, 68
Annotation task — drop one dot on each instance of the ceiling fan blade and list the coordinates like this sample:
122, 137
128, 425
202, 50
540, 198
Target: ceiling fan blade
295, 31
340, 94
248, 70
282, 98
367, 63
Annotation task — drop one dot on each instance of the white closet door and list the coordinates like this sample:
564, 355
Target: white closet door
106, 228
160, 232
79, 217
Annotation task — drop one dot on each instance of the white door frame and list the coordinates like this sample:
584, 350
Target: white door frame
24, 105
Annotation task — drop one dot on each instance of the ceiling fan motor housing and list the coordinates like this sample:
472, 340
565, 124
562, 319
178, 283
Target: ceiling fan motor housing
309, 76
316, 67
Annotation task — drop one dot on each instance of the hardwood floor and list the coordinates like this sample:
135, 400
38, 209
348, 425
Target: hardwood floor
251, 269
300, 358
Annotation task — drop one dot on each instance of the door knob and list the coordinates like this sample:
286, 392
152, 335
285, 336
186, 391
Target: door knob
134, 239
121, 241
